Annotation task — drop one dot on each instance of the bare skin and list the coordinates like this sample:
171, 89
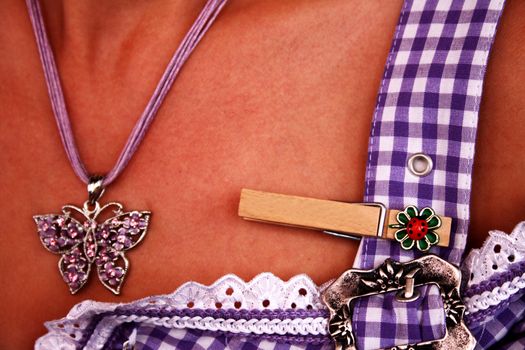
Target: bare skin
278, 97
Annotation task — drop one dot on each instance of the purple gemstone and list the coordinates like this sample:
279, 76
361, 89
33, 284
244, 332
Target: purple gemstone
135, 219
71, 259
90, 247
119, 272
90, 250
73, 231
49, 233
75, 258
51, 243
73, 276
100, 260
62, 242
112, 274
122, 240
105, 255
118, 246
61, 221
103, 233
46, 226
135, 223
45, 223
90, 225
112, 255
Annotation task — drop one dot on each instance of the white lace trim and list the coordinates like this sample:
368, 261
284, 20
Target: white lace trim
64, 334
495, 296
499, 251
297, 326
265, 292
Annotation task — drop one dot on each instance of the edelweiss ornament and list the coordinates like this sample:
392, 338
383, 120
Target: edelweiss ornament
83, 241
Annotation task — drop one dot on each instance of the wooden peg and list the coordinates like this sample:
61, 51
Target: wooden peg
342, 218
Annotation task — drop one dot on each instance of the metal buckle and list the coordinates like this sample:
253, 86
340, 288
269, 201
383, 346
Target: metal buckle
402, 277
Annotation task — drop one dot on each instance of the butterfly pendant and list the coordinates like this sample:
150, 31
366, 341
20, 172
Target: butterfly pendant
81, 241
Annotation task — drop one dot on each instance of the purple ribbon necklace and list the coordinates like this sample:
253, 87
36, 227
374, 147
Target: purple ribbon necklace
75, 234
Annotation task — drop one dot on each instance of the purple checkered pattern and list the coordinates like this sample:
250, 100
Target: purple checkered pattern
385, 317
515, 338
506, 330
161, 338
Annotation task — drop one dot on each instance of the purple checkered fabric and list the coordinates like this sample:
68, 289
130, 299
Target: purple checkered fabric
386, 318
506, 330
162, 338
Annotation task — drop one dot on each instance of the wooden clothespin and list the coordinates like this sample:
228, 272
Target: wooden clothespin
350, 220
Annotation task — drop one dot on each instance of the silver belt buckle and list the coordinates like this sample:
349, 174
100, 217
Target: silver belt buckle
402, 277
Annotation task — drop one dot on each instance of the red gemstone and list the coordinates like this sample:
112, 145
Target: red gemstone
417, 228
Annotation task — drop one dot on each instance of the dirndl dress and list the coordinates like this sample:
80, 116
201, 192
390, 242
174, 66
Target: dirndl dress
428, 102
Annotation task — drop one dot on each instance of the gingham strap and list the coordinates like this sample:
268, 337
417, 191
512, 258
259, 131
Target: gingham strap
429, 102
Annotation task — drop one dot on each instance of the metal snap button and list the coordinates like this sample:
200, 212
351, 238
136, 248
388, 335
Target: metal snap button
420, 164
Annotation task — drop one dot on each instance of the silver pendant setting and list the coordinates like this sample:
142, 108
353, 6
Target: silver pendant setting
81, 239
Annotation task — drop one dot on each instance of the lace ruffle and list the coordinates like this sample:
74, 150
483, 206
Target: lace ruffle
501, 255
498, 253
496, 272
265, 292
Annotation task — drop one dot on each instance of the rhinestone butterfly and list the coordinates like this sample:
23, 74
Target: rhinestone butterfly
82, 241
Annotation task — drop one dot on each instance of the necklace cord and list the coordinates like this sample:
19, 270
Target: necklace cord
199, 28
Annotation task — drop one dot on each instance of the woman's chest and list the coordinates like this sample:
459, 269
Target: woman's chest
276, 104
